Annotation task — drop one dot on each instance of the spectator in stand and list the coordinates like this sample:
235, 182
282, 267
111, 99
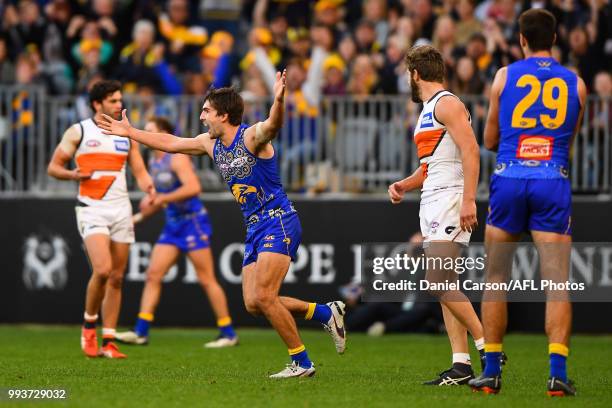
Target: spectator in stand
90, 38
183, 38
444, 40
299, 42
142, 61
7, 69
405, 29
365, 38
334, 70
466, 80
363, 80
467, 25
584, 54
347, 49
328, 13
375, 11
424, 18
393, 73
90, 68
601, 117
477, 50
25, 26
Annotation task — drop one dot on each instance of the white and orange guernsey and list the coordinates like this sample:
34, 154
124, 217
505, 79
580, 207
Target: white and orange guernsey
439, 156
442, 191
103, 202
105, 157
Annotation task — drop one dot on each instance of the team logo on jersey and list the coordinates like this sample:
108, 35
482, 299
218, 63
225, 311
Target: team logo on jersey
93, 143
45, 262
240, 191
121, 145
427, 120
543, 64
535, 147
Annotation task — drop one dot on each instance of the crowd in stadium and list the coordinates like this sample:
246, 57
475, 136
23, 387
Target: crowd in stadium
329, 47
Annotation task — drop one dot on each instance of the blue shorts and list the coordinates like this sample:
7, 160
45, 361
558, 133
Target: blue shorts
189, 233
281, 234
517, 205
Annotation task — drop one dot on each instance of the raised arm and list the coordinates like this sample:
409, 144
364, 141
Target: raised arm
452, 113
265, 131
491, 131
63, 154
159, 141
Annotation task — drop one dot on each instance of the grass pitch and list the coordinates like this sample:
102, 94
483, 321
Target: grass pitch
175, 370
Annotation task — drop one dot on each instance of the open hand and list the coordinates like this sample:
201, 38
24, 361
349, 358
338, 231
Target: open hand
115, 127
280, 85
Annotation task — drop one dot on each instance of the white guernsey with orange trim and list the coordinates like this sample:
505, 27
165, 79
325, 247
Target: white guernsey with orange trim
104, 204
442, 191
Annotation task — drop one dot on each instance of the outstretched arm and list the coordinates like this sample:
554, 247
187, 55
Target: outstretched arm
159, 141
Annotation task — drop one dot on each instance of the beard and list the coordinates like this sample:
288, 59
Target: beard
415, 91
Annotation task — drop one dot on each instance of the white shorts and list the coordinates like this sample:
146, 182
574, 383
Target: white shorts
440, 216
114, 221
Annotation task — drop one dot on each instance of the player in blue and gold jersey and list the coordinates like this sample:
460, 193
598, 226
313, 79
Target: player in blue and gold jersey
247, 162
535, 111
187, 229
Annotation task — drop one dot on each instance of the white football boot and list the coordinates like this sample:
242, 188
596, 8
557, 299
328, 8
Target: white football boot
335, 325
221, 342
294, 370
130, 337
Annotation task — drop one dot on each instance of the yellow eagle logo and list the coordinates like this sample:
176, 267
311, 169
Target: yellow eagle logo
240, 192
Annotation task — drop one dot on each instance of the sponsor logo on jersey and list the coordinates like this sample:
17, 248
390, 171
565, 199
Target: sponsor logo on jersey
121, 145
535, 147
239, 161
427, 120
93, 143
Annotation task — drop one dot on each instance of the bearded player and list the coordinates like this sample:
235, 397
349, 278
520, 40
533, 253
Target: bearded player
447, 177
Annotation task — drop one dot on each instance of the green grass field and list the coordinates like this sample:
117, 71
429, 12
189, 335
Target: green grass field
175, 370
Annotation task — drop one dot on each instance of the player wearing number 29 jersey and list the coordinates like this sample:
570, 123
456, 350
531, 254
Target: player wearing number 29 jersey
539, 108
535, 110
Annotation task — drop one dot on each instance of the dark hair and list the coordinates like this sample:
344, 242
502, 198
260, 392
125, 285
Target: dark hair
100, 90
427, 61
538, 26
228, 101
162, 124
